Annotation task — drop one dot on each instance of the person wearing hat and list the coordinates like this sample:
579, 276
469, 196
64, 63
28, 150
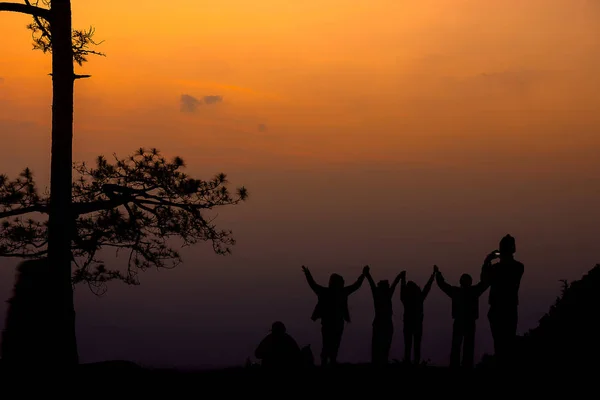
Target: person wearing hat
278, 349
504, 278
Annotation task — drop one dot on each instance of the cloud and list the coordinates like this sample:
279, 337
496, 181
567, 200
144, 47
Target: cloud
190, 103
516, 84
213, 99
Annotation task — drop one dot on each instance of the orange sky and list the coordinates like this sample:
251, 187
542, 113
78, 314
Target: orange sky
333, 80
393, 131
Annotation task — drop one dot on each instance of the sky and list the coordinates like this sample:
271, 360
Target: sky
398, 134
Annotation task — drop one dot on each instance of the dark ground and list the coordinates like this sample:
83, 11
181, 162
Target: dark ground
120, 379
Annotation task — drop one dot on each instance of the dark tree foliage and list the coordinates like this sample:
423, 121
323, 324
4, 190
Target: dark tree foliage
83, 40
140, 205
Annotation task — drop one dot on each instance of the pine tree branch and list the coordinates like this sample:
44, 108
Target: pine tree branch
38, 22
99, 205
23, 210
38, 12
24, 255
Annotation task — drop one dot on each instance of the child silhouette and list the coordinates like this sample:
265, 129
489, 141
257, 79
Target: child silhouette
413, 298
465, 312
383, 326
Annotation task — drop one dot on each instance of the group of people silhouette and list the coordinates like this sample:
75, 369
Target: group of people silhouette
503, 278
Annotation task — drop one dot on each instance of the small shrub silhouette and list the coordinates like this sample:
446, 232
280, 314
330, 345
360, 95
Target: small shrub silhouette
26, 338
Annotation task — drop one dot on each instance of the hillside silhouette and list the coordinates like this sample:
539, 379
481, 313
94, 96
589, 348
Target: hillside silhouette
568, 335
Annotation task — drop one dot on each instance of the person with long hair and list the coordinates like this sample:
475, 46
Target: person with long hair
332, 310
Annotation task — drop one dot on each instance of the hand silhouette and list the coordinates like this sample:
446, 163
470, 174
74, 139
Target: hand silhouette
304, 269
436, 269
366, 269
403, 275
492, 256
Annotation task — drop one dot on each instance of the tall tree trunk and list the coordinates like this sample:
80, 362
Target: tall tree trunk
60, 224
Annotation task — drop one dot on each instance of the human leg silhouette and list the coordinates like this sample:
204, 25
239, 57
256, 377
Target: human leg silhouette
469, 343
457, 341
503, 324
387, 336
338, 331
495, 328
382, 341
326, 335
417, 341
408, 341
331, 332
375, 351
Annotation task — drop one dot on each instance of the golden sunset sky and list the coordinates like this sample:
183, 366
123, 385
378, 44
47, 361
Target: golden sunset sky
429, 81
381, 131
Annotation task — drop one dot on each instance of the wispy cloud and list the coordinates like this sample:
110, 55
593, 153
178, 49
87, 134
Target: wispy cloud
212, 99
190, 104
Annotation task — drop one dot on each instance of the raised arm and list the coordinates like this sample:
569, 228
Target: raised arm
402, 286
481, 287
318, 289
356, 285
394, 284
443, 285
487, 267
367, 274
428, 285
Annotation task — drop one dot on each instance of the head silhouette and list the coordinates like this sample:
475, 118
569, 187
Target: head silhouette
336, 281
507, 246
412, 290
466, 280
278, 328
383, 285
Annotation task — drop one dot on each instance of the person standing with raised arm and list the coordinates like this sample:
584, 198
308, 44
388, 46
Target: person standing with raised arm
413, 299
465, 312
332, 310
504, 278
383, 325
